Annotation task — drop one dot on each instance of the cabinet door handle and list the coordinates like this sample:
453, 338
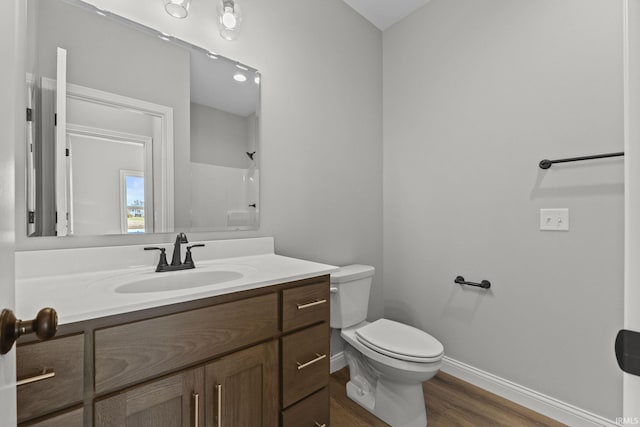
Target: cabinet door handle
311, 362
46, 374
219, 394
319, 425
311, 304
196, 409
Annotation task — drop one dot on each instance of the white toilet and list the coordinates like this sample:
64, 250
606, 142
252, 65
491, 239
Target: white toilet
388, 361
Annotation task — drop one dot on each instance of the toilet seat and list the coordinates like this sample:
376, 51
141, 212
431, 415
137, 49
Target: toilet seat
400, 341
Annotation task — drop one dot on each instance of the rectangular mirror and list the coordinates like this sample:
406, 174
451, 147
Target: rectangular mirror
133, 131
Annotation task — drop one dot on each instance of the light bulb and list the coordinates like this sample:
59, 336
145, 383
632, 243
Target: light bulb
228, 18
177, 8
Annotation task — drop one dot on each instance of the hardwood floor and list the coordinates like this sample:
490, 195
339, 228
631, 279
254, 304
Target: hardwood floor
450, 403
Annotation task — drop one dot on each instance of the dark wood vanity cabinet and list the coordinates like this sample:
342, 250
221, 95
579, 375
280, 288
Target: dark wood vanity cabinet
305, 355
252, 358
176, 400
236, 390
70, 418
50, 377
242, 388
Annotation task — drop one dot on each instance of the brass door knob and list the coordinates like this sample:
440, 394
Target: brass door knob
44, 326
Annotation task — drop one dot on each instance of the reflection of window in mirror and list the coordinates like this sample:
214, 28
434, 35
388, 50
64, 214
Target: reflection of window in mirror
132, 201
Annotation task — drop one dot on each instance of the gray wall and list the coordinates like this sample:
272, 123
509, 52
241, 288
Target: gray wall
321, 126
476, 93
218, 137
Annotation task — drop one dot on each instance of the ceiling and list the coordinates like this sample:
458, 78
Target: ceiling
385, 13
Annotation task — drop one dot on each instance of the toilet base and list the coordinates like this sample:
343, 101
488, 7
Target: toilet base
399, 405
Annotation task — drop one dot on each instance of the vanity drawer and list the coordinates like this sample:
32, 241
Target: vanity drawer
305, 363
134, 352
66, 419
305, 305
310, 412
50, 376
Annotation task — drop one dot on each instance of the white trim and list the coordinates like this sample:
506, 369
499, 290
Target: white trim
109, 134
61, 160
30, 175
541, 403
631, 69
337, 362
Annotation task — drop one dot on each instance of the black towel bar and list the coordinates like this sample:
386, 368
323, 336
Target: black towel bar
485, 284
546, 163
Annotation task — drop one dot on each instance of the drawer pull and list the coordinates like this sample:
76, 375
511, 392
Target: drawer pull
319, 425
311, 362
196, 410
219, 393
311, 304
46, 374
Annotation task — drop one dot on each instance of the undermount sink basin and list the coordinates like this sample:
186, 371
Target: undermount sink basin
161, 282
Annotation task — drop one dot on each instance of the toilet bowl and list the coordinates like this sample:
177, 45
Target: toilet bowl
388, 361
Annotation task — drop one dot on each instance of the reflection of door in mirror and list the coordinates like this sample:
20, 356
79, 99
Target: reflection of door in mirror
106, 134
97, 159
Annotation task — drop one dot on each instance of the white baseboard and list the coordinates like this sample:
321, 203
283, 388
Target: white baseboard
337, 362
543, 404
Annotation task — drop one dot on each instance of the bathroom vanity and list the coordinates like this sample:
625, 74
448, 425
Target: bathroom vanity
255, 352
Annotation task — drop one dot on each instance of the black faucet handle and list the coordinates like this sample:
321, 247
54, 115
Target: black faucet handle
163, 256
154, 248
188, 259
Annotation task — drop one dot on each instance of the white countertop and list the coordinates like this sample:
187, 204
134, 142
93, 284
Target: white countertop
90, 294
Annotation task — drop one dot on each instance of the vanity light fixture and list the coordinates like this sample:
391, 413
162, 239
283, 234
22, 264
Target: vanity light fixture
177, 8
229, 19
239, 77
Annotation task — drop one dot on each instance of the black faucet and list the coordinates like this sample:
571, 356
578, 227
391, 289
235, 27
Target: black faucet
176, 259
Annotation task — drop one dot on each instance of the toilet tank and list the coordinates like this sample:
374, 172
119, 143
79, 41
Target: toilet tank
350, 288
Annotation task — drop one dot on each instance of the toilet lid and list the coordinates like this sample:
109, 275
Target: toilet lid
400, 341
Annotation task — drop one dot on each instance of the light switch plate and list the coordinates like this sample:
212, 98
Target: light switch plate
554, 219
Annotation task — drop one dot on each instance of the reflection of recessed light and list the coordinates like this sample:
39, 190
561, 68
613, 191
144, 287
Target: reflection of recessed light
100, 12
164, 36
240, 77
257, 80
212, 55
241, 67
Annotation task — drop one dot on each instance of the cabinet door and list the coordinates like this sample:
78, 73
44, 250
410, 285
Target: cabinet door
241, 389
172, 401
